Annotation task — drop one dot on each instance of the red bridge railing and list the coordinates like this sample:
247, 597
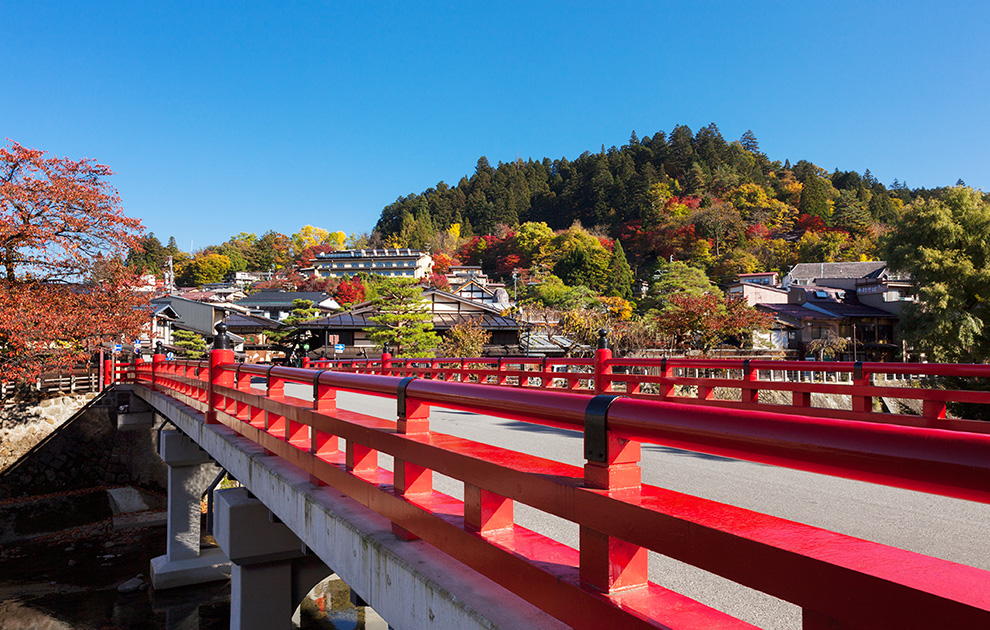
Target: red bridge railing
838, 581
728, 383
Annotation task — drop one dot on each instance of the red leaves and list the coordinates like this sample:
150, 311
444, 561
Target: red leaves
437, 281
64, 290
47, 326
57, 215
442, 263
703, 321
350, 291
810, 222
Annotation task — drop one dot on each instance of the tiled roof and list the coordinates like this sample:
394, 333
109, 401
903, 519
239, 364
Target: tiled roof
834, 310
794, 311
238, 321
846, 309
836, 269
357, 321
282, 298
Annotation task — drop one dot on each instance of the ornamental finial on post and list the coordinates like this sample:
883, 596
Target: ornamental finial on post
159, 348
602, 339
221, 341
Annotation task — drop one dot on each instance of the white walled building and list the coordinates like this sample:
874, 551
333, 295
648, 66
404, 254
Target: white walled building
400, 262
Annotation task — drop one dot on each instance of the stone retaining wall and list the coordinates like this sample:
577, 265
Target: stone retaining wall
23, 425
85, 451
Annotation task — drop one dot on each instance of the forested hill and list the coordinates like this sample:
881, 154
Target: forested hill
721, 206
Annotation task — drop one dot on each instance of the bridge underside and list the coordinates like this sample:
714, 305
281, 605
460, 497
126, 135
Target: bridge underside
411, 584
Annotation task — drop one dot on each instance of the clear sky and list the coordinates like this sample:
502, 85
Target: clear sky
223, 117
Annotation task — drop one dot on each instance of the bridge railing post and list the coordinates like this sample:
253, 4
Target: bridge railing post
323, 445
409, 479
220, 355
749, 392
603, 371
156, 359
861, 381
386, 360
607, 563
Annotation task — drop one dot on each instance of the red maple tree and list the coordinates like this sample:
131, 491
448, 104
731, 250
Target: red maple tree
63, 287
704, 321
350, 291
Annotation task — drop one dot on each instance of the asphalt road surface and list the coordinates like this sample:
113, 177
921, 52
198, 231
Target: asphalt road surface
946, 528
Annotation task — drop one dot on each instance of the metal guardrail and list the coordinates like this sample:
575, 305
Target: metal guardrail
839, 581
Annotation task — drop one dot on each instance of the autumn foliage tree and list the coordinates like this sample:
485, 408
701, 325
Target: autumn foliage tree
704, 321
464, 339
349, 291
64, 289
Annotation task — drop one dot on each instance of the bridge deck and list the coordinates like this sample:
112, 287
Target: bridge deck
951, 529
410, 582
936, 526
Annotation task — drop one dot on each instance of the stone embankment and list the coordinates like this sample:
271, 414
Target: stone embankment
24, 425
87, 450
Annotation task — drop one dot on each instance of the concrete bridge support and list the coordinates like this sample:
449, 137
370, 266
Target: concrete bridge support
271, 572
190, 471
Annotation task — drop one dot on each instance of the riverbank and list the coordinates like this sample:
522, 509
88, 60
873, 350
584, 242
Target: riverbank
71, 580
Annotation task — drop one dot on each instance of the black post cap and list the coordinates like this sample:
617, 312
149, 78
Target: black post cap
221, 341
602, 339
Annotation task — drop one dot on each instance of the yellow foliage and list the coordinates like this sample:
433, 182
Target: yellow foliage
454, 231
309, 236
337, 240
618, 308
659, 194
749, 197
792, 192
679, 211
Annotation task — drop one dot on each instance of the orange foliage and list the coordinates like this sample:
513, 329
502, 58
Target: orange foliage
64, 289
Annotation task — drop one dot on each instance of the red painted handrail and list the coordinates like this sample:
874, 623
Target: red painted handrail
839, 581
724, 383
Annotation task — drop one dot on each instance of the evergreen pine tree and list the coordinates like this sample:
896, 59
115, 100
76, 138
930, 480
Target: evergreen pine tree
404, 321
191, 344
814, 198
749, 142
620, 274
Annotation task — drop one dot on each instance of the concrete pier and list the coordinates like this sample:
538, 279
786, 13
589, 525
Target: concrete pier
271, 568
190, 471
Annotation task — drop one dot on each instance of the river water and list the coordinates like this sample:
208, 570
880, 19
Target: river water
68, 581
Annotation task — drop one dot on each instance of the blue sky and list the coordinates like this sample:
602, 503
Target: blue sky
227, 117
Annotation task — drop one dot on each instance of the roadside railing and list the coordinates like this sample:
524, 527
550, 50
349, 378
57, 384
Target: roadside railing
76, 380
852, 391
838, 581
